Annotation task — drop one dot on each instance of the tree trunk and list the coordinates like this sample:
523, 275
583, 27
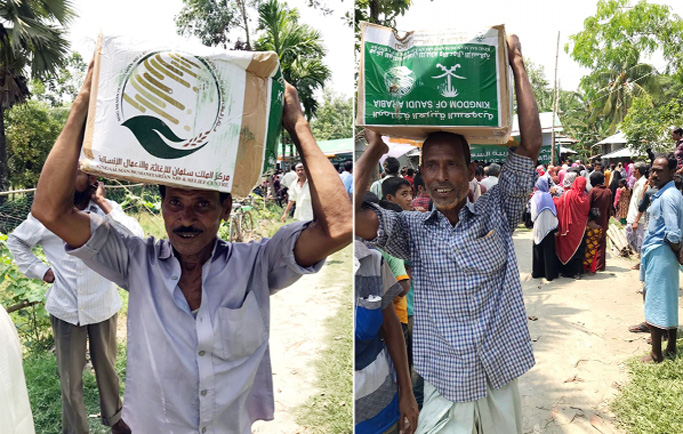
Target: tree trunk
374, 11
4, 178
243, 9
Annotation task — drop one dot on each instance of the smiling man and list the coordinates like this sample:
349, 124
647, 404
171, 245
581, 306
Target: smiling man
470, 338
198, 315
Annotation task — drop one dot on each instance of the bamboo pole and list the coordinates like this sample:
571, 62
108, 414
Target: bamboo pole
555, 98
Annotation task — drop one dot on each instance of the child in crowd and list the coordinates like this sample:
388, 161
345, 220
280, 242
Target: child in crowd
593, 235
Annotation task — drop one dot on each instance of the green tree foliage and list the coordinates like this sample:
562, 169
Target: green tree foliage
213, 21
63, 86
32, 128
649, 125
543, 91
31, 38
619, 35
614, 43
382, 12
334, 118
299, 48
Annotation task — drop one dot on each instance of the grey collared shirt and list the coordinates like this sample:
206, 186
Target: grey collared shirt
212, 373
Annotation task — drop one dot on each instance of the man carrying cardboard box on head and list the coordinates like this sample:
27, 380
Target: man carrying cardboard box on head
198, 316
470, 339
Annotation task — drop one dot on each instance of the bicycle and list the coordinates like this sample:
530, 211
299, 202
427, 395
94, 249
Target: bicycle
241, 222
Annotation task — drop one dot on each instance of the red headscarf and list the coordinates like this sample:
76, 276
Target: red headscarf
572, 216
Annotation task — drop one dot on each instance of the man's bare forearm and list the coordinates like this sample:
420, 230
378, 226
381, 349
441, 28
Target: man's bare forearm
332, 228
53, 203
531, 138
366, 220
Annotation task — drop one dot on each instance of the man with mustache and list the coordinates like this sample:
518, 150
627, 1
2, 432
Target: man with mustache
470, 337
83, 306
198, 316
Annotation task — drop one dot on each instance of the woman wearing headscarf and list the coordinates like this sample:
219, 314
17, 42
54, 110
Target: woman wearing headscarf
614, 184
544, 217
572, 215
568, 180
600, 197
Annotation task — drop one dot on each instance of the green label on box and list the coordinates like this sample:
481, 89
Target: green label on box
444, 85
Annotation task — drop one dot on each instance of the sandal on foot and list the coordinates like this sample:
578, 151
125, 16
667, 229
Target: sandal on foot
639, 328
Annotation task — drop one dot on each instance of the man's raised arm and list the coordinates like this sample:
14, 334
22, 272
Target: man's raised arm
366, 219
53, 204
527, 109
332, 226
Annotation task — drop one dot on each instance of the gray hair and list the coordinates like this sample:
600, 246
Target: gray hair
494, 169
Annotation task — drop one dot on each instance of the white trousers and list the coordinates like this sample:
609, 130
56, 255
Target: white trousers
500, 412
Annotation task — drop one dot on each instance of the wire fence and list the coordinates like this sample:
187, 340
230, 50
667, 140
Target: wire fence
132, 198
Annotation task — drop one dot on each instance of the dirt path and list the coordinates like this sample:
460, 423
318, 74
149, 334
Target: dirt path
297, 315
581, 342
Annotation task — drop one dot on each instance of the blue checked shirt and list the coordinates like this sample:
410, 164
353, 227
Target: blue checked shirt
470, 321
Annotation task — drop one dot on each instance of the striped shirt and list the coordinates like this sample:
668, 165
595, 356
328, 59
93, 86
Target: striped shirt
375, 391
78, 295
470, 321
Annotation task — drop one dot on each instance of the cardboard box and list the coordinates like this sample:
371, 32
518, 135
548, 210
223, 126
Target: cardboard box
438, 80
197, 117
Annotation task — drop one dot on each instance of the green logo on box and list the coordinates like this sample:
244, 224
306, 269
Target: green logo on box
171, 102
449, 85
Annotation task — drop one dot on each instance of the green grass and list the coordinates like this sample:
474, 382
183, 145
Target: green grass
330, 412
652, 401
42, 381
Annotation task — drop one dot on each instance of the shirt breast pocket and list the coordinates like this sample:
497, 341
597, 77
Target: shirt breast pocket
243, 329
485, 254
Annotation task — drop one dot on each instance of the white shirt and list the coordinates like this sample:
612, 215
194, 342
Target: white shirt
288, 178
78, 295
302, 196
489, 182
15, 409
635, 199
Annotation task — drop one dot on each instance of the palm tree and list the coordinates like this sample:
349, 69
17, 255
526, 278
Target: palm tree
622, 85
299, 49
30, 42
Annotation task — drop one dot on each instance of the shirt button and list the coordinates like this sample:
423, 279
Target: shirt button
202, 352
204, 392
174, 277
204, 429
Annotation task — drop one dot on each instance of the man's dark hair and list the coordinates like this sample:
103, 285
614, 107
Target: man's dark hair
348, 165
479, 171
222, 196
391, 185
370, 197
494, 169
642, 168
679, 131
455, 138
419, 181
670, 159
597, 178
392, 166
410, 172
